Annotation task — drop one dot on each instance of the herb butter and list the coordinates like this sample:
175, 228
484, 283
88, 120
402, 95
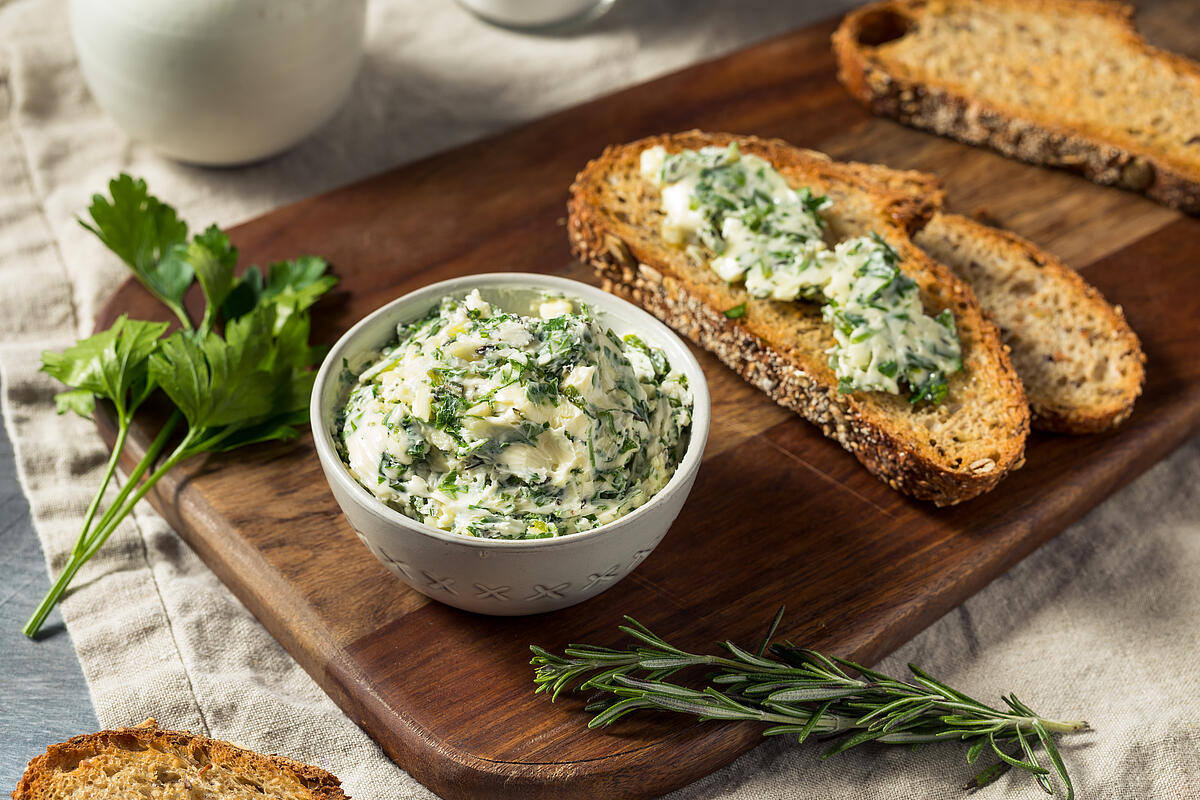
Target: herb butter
762, 232
501, 425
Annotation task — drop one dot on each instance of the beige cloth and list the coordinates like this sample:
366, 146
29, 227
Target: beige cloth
1100, 623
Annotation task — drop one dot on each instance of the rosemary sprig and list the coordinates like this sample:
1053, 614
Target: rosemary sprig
797, 691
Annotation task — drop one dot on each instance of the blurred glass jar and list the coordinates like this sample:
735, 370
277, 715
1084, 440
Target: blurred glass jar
537, 16
219, 82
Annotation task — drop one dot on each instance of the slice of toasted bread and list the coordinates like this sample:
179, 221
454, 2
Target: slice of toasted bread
146, 761
1065, 83
945, 453
1081, 363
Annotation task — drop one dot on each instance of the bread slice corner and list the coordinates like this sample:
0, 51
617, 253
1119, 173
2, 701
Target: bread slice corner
946, 453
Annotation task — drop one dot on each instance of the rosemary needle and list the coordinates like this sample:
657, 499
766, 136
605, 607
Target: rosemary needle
796, 691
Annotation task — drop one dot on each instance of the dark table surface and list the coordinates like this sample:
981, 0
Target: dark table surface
43, 697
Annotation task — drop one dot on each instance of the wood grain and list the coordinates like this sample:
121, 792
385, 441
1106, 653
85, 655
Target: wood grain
779, 515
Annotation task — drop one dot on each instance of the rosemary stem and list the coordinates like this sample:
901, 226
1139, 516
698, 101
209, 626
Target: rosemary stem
1056, 726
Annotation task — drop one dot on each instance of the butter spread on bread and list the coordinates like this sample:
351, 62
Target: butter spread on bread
769, 235
945, 452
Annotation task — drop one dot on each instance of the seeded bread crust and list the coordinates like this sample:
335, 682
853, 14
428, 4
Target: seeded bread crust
1103, 156
614, 224
167, 764
1081, 364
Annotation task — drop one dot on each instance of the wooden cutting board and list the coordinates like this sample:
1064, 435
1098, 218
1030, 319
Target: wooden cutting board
779, 514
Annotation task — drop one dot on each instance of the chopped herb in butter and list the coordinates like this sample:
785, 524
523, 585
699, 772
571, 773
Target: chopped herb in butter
507, 426
760, 231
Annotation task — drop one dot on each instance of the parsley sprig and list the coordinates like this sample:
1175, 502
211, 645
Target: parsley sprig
800, 692
242, 376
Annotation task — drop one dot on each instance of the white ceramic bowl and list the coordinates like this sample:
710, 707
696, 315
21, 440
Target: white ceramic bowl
494, 576
219, 81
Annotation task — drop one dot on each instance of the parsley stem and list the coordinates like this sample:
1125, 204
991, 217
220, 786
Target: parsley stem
109, 470
152, 453
247, 385
101, 535
86, 545
181, 313
51, 599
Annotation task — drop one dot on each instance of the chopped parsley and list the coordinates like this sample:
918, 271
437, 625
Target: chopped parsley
500, 425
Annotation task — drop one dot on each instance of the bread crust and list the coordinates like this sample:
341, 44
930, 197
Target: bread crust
1020, 134
42, 769
806, 386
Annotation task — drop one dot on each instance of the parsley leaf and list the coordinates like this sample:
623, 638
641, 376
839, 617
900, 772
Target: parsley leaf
111, 364
212, 258
253, 381
143, 230
81, 401
291, 286
214, 382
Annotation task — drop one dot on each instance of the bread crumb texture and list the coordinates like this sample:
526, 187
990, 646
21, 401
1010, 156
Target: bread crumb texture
146, 762
1032, 54
1067, 83
1081, 363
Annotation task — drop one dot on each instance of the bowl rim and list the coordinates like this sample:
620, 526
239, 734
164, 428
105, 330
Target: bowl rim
422, 299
